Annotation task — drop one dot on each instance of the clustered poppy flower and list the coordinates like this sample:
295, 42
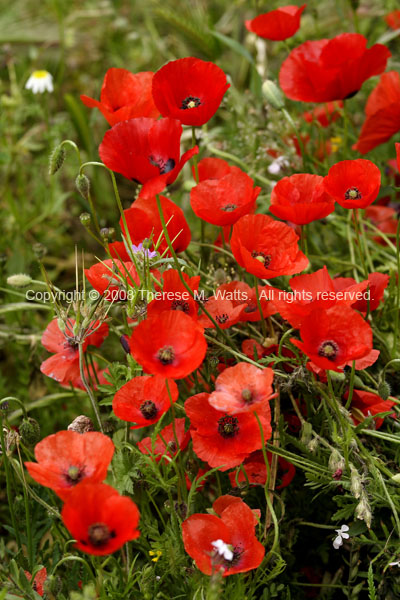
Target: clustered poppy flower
175, 295
353, 183
65, 458
376, 283
189, 89
124, 95
266, 248
326, 114
301, 199
254, 471
242, 295
111, 278
226, 543
325, 70
365, 404
147, 151
171, 439
278, 24
382, 113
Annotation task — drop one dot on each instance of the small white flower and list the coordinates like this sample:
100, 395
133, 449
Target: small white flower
275, 167
342, 535
223, 549
395, 564
39, 82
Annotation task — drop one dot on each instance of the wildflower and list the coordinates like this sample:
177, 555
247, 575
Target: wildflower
277, 165
254, 471
341, 535
336, 142
382, 112
393, 19
301, 199
142, 251
175, 295
226, 543
166, 442
99, 518
143, 400
326, 114
242, 295
189, 89
353, 183
278, 24
223, 312
124, 95
376, 284
147, 151
67, 457
266, 248
39, 82
365, 404
111, 278
326, 70
156, 555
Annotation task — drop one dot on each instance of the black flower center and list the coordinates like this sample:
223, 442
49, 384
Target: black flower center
164, 166
228, 426
71, 342
222, 318
329, 350
99, 534
180, 305
237, 553
265, 259
74, 474
353, 193
166, 355
148, 409
229, 207
190, 102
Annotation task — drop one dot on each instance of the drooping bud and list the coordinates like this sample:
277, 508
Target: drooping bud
19, 281
81, 424
384, 390
29, 430
273, 94
56, 159
83, 185
85, 218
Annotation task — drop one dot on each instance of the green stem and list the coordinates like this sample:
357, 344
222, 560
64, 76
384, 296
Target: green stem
28, 522
88, 389
10, 497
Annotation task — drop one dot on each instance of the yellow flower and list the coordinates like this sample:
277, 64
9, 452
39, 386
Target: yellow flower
156, 554
336, 143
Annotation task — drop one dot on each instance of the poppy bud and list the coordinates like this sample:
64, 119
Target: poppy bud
56, 159
29, 431
81, 424
19, 281
85, 218
356, 486
273, 94
83, 185
384, 390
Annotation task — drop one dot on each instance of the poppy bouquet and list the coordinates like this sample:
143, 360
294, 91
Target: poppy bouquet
231, 352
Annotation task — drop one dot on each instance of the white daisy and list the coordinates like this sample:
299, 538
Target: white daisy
39, 82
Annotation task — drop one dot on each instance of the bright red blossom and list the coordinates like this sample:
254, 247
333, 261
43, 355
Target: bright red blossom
99, 518
365, 404
244, 296
376, 284
111, 278
189, 89
256, 471
165, 442
353, 183
235, 528
223, 311
393, 19
278, 24
301, 199
325, 70
67, 457
326, 114
175, 295
124, 96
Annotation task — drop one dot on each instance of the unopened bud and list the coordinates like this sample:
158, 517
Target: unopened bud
273, 94
29, 430
85, 218
81, 424
356, 486
363, 511
19, 281
39, 250
336, 462
313, 445
104, 233
384, 390
306, 432
56, 159
83, 185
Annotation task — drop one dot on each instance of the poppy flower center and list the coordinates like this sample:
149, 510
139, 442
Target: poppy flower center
237, 553
265, 259
180, 305
247, 395
71, 342
164, 166
329, 350
148, 409
228, 426
229, 207
222, 318
74, 474
190, 102
353, 194
166, 355
99, 534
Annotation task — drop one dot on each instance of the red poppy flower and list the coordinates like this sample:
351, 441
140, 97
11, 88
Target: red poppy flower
243, 388
266, 248
393, 19
241, 294
365, 404
325, 70
332, 337
175, 296
278, 24
99, 518
223, 312
223, 200
385, 219
221, 439
353, 183
143, 222
38, 582
111, 278
63, 366
382, 113
189, 89
124, 95
326, 114
301, 199
170, 344
226, 543
221, 503
143, 400
147, 151
67, 457
376, 284
165, 442
256, 472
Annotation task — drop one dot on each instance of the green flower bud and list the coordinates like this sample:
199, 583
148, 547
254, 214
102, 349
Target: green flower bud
85, 218
29, 430
384, 390
83, 185
19, 281
356, 487
56, 159
273, 94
